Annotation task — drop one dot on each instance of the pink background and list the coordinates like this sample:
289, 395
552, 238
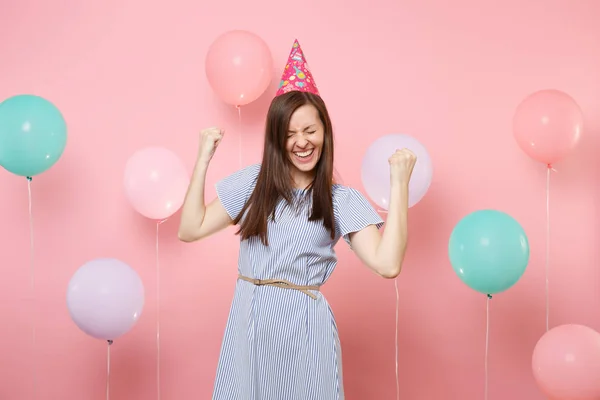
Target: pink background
129, 74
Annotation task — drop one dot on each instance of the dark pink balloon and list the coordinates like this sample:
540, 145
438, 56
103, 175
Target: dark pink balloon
239, 67
566, 363
547, 125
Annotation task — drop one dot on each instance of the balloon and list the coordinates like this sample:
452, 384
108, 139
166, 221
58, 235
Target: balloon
489, 251
547, 125
156, 182
105, 298
375, 169
33, 135
566, 363
239, 67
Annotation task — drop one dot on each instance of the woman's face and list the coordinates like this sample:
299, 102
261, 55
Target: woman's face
305, 139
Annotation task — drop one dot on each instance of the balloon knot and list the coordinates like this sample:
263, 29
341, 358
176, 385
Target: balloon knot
110, 342
489, 296
29, 178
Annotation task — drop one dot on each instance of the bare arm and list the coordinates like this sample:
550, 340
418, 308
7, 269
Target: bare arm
384, 254
197, 219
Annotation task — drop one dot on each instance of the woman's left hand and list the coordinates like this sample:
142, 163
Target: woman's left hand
402, 163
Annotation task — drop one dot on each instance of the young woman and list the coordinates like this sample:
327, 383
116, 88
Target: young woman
281, 340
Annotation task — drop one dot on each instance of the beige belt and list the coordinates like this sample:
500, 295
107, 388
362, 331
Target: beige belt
281, 283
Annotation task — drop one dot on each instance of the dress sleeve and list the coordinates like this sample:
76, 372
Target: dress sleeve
235, 190
354, 213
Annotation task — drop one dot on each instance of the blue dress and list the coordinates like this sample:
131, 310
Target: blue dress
282, 344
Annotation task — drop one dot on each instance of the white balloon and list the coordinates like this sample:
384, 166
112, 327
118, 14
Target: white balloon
375, 169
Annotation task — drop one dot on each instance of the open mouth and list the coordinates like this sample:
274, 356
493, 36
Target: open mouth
304, 154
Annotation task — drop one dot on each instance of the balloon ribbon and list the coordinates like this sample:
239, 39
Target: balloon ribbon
158, 224
397, 305
240, 134
487, 342
397, 339
32, 289
109, 343
547, 272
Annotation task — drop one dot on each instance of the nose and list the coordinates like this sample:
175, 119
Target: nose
302, 142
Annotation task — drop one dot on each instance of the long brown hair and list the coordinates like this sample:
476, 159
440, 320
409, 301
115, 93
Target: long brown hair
274, 181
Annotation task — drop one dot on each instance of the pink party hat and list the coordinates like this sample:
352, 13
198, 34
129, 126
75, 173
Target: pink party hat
296, 75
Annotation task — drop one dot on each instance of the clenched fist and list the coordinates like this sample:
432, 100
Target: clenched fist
402, 163
209, 141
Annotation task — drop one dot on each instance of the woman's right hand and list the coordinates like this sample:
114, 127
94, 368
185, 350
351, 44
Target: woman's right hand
209, 141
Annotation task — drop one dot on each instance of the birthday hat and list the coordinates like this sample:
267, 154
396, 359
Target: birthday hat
296, 75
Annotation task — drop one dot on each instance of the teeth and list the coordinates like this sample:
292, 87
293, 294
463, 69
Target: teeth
304, 153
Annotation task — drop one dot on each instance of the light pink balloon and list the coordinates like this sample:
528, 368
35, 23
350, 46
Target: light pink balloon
239, 67
547, 125
156, 182
566, 363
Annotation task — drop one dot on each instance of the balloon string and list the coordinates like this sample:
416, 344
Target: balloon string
547, 272
110, 342
487, 343
32, 287
240, 134
397, 305
397, 339
158, 224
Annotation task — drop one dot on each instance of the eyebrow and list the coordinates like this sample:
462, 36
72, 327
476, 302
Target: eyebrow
308, 127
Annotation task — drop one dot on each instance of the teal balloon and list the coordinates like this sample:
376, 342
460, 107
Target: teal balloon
33, 135
489, 251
